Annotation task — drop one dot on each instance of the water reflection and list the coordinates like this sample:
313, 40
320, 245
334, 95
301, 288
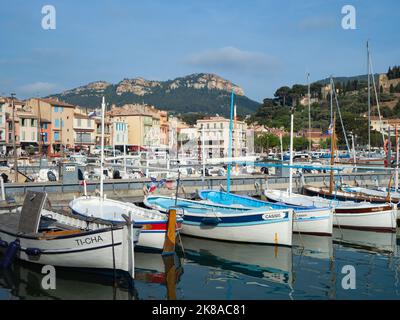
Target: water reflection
311, 269
383, 242
23, 281
272, 263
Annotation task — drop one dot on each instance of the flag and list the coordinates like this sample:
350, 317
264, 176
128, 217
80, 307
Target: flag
92, 114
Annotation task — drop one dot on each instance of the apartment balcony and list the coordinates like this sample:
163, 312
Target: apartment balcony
84, 140
98, 131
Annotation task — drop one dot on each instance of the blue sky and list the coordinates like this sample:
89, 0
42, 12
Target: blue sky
258, 44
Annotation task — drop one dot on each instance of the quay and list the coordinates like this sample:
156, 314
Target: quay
61, 192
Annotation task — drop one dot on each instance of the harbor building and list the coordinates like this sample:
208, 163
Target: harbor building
61, 115
143, 124
215, 132
84, 131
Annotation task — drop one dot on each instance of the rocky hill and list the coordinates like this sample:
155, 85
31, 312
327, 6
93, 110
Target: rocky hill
205, 93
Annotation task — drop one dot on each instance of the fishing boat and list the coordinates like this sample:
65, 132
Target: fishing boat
347, 214
211, 221
346, 193
30, 236
154, 223
309, 220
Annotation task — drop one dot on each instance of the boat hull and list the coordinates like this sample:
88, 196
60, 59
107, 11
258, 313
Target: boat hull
380, 218
359, 216
215, 222
313, 221
91, 250
154, 223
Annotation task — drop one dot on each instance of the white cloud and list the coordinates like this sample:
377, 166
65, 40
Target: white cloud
234, 59
38, 88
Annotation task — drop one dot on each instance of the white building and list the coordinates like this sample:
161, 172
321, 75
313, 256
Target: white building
120, 132
215, 133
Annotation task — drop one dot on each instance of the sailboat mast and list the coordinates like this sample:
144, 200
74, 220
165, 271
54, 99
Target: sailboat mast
309, 112
103, 107
369, 100
228, 180
397, 161
291, 152
331, 94
333, 143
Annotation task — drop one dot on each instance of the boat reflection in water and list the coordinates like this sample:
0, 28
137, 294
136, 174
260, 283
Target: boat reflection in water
316, 247
384, 242
24, 281
271, 263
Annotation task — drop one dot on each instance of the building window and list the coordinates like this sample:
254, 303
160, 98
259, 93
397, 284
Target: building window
33, 136
56, 136
23, 122
55, 109
23, 135
79, 122
57, 123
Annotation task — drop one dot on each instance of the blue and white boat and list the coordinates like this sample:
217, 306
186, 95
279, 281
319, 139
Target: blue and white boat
218, 222
309, 220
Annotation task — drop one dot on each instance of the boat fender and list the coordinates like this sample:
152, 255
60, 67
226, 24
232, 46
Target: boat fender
10, 254
210, 221
33, 252
3, 243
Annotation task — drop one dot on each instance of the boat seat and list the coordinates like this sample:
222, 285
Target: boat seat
31, 212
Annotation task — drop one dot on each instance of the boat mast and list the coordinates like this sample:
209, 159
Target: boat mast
309, 112
331, 94
228, 181
291, 152
103, 107
369, 101
203, 154
333, 142
397, 161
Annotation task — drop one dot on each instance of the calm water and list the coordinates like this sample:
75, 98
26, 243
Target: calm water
218, 270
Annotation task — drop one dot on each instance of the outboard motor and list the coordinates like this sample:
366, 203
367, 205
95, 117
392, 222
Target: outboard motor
116, 174
5, 177
80, 175
51, 176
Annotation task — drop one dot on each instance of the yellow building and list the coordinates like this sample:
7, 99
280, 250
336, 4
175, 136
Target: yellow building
143, 123
61, 115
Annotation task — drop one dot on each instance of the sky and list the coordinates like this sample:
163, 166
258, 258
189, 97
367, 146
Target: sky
259, 45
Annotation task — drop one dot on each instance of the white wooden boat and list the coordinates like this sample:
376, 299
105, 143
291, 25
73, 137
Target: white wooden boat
154, 223
229, 224
308, 220
347, 214
31, 237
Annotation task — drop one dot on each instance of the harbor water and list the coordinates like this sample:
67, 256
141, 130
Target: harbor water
314, 268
